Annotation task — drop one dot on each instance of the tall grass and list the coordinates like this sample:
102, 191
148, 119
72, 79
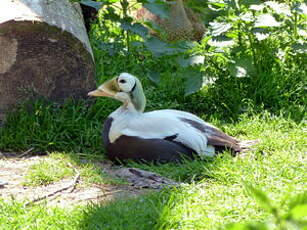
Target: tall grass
75, 125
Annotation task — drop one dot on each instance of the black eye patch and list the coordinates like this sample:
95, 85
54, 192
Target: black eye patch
122, 81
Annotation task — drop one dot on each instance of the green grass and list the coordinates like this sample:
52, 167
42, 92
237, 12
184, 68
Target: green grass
214, 193
270, 107
62, 165
46, 126
46, 172
91, 173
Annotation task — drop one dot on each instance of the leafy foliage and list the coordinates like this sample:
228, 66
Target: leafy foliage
250, 76
294, 218
251, 60
257, 48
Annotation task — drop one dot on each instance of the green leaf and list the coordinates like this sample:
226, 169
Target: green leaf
137, 44
242, 67
191, 61
96, 5
300, 48
156, 46
299, 212
154, 76
159, 48
260, 197
193, 80
109, 47
257, 7
299, 199
216, 5
301, 30
279, 8
249, 2
158, 8
154, 26
247, 226
221, 41
184, 45
261, 33
238, 70
247, 17
218, 28
136, 28
300, 8
266, 20
111, 14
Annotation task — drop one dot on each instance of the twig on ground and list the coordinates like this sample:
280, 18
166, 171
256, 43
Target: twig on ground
72, 186
77, 178
76, 181
25, 153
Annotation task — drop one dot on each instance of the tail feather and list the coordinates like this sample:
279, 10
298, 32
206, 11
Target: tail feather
246, 145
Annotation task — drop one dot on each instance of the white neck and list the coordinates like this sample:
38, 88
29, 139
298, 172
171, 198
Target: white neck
121, 118
126, 108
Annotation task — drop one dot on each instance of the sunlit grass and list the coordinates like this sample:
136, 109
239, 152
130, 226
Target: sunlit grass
270, 108
58, 166
213, 195
46, 172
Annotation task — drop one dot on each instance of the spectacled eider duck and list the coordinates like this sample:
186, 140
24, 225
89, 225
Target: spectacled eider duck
159, 136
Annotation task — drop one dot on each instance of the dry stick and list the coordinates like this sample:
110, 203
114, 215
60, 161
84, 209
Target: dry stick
25, 153
77, 178
73, 185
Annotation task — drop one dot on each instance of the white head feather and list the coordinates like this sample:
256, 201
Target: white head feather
126, 82
130, 84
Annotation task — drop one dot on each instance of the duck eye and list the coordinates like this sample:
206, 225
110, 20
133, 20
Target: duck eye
122, 81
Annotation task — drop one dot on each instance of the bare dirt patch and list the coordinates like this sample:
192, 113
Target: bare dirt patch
13, 170
72, 190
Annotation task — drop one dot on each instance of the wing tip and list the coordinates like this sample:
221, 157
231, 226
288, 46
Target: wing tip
246, 145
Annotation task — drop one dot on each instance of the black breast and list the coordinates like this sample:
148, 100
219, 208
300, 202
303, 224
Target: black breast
144, 150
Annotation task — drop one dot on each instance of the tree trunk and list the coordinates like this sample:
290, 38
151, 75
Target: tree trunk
44, 51
183, 23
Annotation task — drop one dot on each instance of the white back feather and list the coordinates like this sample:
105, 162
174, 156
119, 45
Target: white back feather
161, 124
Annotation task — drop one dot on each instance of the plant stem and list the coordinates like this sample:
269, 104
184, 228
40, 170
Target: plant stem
125, 6
237, 11
254, 53
295, 26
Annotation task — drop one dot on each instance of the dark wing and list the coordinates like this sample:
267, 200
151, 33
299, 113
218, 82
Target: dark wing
106, 129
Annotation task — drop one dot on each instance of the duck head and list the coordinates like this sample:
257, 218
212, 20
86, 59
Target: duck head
125, 88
